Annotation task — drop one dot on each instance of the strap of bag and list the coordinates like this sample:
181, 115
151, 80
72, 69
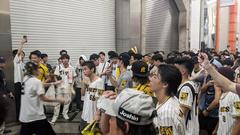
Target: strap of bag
194, 96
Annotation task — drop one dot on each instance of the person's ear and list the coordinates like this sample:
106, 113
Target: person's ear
126, 127
165, 85
92, 70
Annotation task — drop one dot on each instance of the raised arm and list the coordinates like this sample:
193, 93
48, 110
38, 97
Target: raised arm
20, 49
219, 79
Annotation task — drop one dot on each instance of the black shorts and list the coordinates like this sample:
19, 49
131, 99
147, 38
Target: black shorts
207, 123
39, 127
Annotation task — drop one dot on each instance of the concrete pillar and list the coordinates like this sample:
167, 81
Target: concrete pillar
6, 51
184, 25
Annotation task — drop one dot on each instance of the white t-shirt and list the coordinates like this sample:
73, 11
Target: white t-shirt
186, 99
102, 67
31, 105
229, 108
114, 72
67, 75
90, 100
169, 119
18, 69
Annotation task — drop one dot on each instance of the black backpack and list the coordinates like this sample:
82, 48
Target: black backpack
194, 97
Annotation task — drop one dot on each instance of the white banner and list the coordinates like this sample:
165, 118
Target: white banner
225, 3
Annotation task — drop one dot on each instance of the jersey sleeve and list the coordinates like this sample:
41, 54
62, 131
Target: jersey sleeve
186, 97
236, 106
57, 72
74, 72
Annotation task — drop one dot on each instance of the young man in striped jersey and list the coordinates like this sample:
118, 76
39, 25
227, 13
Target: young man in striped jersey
229, 109
170, 119
95, 87
187, 95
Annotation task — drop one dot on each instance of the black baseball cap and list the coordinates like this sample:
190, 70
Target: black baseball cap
112, 54
124, 56
140, 69
94, 56
2, 59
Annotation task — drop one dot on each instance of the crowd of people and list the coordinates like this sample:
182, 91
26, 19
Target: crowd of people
180, 93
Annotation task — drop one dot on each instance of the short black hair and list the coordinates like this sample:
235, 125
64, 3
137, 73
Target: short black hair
94, 57
36, 52
157, 57
65, 56
63, 51
186, 62
140, 80
90, 65
172, 76
228, 62
170, 60
30, 67
14, 52
112, 54
138, 56
136, 129
44, 55
102, 53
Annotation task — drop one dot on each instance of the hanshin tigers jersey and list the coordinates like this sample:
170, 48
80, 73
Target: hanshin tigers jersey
229, 109
188, 99
170, 120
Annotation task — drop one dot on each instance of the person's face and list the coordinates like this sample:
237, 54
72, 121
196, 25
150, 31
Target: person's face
155, 82
35, 59
119, 62
114, 60
146, 59
59, 61
45, 59
65, 61
156, 62
87, 71
132, 60
102, 57
81, 61
114, 129
96, 62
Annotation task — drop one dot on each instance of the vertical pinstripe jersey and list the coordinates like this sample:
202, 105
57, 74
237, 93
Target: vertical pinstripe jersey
229, 107
169, 118
187, 99
90, 101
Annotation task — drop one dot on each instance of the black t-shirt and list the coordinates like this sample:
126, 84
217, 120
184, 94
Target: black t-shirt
3, 88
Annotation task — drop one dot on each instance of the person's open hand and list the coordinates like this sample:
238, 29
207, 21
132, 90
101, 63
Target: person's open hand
24, 40
109, 94
203, 60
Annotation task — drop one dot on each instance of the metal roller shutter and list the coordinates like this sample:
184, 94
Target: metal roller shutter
79, 26
161, 21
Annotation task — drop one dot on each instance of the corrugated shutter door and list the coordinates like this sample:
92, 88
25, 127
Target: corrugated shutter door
161, 22
79, 26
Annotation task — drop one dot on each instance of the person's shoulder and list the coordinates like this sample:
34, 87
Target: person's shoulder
43, 66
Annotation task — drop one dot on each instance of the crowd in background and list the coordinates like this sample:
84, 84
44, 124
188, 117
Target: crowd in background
127, 94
